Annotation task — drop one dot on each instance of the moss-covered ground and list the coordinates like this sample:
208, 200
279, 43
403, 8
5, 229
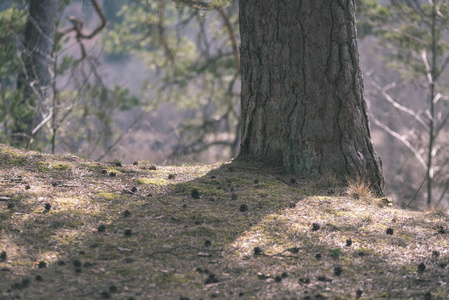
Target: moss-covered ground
77, 229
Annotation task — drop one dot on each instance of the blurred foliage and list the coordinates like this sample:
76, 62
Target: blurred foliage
414, 36
404, 29
371, 15
81, 105
411, 35
12, 25
193, 63
85, 109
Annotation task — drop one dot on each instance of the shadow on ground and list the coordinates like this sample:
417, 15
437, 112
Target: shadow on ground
77, 229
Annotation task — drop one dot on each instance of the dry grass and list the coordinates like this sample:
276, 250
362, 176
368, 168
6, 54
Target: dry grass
438, 211
359, 190
72, 230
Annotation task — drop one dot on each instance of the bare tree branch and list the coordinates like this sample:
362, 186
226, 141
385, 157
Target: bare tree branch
78, 28
197, 4
403, 140
235, 48
399, 106
430, 80
42, 123
104, 22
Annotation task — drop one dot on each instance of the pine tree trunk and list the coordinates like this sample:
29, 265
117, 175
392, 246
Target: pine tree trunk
302, 95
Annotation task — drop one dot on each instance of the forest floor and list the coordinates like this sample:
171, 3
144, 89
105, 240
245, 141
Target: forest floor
71, 228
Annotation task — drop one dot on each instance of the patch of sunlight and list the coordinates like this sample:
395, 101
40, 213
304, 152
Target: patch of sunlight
66, 203
64, 237
8, 244
108, 196
152, 181
194, 169
49, 257
271, 235
12, 153
17, 256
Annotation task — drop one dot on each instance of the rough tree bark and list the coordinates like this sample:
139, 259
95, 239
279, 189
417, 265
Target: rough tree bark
38, 57
302, 95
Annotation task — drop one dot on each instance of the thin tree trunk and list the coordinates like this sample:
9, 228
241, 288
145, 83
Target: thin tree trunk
432, 110
38, 57
302, 97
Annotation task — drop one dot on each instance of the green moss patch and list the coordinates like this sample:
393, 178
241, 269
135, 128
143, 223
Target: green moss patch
43, 167
152, 181
108, 196
61, 167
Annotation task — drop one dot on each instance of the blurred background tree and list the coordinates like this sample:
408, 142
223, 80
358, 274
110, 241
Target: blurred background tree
37, 62
12, 24
51, 95
414, 37
162, 83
